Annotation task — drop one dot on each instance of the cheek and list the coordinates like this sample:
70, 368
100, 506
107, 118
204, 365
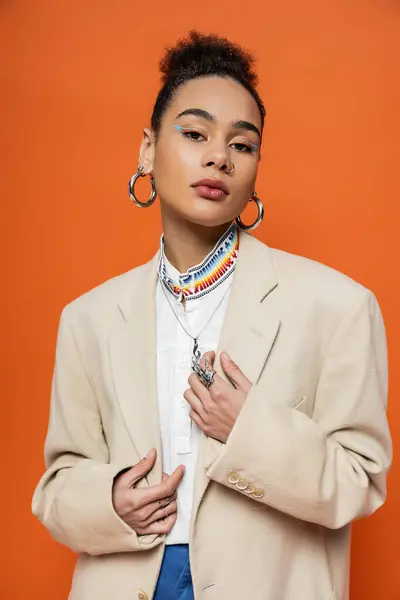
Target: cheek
245, 181
176, 166
178, 157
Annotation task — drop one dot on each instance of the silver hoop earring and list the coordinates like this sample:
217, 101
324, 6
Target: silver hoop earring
131, 188
260, 215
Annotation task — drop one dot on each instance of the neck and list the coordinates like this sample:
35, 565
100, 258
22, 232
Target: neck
187, 244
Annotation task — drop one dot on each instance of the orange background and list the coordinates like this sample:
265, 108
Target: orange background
78, 82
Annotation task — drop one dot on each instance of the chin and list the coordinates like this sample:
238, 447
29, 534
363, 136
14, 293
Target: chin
207, 220
207, 213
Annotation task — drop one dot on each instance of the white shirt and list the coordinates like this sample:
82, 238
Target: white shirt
180, 436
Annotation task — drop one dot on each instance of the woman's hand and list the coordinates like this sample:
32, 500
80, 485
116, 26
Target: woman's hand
216, 409
151, 510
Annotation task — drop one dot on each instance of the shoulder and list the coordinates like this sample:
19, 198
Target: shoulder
295, 270
109, 297
304, 280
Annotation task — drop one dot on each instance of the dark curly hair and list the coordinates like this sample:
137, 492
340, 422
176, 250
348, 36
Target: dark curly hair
203, 56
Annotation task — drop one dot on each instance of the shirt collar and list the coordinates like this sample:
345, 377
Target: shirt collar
201, 279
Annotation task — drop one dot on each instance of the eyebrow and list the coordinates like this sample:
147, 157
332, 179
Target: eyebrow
204, 114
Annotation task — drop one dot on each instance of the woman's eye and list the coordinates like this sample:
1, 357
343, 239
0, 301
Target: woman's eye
243, 147
193, 135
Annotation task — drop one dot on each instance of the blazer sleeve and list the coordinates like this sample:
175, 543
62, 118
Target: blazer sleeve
74, 497
331, 468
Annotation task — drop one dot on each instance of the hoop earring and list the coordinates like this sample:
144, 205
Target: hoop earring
131, 189
260, 215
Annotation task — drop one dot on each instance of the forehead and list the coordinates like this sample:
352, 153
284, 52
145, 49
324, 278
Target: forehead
223, 97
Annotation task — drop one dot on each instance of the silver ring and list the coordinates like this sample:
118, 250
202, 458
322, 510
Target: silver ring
206, 375
231, 169
165, 503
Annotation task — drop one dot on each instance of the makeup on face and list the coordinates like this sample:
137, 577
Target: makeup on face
188, 130
204, 114
238, 124
211, 188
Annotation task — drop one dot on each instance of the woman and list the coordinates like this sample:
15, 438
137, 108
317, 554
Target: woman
226, 397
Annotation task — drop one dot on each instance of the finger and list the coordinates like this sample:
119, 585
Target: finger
210, 355
197, 419
209, 358
162, 513
145, 502
165, 489
149, 509
199, 388
161, 527
234, 373
139, 470
195, 402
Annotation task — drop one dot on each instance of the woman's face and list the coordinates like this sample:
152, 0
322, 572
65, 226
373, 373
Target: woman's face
211, 123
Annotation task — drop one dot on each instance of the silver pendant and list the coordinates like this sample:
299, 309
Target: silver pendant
196, 356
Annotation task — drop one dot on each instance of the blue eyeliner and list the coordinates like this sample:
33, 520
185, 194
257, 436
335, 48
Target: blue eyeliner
179, 128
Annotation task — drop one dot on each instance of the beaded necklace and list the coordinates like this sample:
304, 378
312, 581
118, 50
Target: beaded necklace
201, 279
209, 274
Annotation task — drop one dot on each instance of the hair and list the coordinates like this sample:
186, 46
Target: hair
203, 56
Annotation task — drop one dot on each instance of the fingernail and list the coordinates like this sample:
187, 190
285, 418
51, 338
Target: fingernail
226, 356
149, 453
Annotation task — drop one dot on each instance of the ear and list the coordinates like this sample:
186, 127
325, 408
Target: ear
147, 150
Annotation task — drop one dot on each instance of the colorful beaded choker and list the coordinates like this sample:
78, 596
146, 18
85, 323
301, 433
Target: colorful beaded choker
201, 279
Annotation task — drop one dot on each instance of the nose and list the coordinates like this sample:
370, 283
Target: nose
217, 157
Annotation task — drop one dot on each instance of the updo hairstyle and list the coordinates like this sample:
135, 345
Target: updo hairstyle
203, 56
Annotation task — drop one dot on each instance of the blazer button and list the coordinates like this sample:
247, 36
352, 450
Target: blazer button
250, 488
233, 477
258, 493
142, 595
242, 484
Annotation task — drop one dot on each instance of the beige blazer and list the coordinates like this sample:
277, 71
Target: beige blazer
312, 436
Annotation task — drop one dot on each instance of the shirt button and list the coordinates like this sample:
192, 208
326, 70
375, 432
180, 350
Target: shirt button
182, 445
233, 477
179, 400
142, 595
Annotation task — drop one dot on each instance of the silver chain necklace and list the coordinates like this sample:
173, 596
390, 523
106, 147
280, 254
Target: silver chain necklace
196, 354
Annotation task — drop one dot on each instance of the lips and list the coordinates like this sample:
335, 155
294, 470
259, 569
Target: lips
212, 189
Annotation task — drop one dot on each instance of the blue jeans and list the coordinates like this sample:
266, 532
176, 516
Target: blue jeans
175, 579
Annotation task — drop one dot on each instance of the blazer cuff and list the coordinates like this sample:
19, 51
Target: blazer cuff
83, 515
235, 464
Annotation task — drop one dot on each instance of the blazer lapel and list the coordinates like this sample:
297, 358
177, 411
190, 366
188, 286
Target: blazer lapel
133, 354
248, 334
250, 327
